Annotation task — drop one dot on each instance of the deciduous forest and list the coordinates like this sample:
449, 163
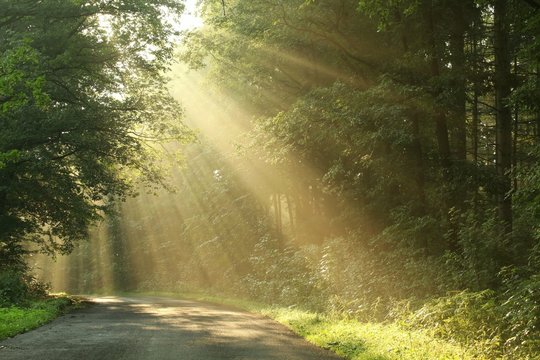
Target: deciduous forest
375, 160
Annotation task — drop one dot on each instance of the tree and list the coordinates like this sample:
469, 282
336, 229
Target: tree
83, 107
503, 76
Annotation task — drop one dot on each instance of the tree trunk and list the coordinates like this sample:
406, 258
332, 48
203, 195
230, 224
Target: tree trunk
290, 211
418, 158
457, 49
503, 76
515, 138
417, 154
475, 121
441, 126
475, 113
538, 109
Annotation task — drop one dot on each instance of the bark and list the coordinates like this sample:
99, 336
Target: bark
290, 211
515, 138
418, 158
538, 109
277, 212
503, 77
416, 150
441, 125
457, 49
475, 112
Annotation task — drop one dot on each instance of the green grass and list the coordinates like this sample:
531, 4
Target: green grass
18, 319
348, 338
366, 341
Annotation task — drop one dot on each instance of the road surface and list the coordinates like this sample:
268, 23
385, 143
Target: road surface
159, 328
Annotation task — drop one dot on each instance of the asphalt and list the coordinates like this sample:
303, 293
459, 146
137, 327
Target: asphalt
159, 328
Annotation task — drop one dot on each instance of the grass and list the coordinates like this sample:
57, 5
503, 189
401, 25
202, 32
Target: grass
18, 319
348, 338
366, 341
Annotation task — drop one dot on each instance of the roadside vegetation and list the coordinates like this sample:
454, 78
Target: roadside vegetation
17, 319
25, 304
357, 340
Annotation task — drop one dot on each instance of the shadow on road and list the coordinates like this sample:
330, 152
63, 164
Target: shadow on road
131, 328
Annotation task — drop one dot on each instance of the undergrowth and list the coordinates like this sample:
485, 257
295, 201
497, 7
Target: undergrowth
356, 340
21, 318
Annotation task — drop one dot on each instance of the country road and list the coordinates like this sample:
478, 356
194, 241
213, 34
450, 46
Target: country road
159, 328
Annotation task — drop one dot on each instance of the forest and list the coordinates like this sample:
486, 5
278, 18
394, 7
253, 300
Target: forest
377, 160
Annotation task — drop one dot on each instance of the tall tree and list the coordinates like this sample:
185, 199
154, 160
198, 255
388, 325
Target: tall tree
458, 12
503, 86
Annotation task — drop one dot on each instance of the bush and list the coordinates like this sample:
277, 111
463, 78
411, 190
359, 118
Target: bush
13, 288
483, 249
17, 287
521, 309
471, 318
496, 325
282, 276
365, 283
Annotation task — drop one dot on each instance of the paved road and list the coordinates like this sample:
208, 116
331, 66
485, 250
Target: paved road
158, 328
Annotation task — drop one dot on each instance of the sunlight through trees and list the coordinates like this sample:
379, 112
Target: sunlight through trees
376, 160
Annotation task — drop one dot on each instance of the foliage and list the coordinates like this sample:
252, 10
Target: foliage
484, 251
496, 324
15, 320
281, 275
520, 306
82, 100
13, 288
472, 318
356, 340
17, 286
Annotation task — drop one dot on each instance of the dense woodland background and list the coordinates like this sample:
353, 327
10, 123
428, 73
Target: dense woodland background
390, 172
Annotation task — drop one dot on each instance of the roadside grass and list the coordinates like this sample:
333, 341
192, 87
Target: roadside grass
366, 341
18, 319
348, 338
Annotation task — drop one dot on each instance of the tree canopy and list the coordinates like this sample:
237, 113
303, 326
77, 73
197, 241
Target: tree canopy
83, 108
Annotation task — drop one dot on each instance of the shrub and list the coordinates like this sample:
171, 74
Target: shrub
282, 276
16, 287
13, 288
471, 318
521, 308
